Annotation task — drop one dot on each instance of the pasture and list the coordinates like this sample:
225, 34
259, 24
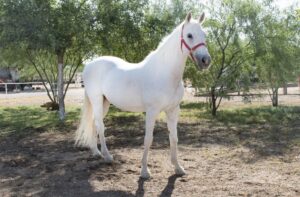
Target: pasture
134, 55
244, 151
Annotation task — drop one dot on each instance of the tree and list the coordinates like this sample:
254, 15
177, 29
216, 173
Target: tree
47, 29
230, 50
131, 29
277, 49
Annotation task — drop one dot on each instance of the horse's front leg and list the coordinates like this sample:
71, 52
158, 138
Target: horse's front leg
172, 119
150, 122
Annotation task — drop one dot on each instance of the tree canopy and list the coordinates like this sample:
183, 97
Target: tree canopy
250, 41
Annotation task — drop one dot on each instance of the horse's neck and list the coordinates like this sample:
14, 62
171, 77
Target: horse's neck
169, 59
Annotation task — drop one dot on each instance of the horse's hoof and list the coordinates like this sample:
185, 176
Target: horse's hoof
145, 174
96, 153
108, 158
180, 171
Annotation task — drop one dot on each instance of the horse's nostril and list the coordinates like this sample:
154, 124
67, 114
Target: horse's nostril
205, 60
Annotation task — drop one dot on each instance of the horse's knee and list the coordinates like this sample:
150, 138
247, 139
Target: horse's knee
173, 138
99, 126
172, 125
148, 139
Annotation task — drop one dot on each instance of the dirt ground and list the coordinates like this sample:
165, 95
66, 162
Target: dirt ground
220, 159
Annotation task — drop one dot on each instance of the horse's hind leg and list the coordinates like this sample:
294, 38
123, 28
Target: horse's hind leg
106, 105
100, 108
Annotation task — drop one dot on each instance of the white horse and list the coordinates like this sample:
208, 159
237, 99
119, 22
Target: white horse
151, 86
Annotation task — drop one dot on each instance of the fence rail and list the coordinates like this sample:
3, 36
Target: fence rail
18, 83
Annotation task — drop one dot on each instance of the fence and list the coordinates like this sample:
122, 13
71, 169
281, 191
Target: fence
19, 83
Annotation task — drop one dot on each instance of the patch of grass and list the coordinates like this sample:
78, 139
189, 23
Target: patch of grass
25, 120
193, 106
193, 111
242, 115
260, 115
115, 112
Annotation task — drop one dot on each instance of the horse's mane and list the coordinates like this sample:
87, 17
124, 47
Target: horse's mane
164, 44
166, 38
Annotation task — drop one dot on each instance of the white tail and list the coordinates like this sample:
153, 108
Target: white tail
86, 134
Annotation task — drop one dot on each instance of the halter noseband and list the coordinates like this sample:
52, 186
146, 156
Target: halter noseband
183, 42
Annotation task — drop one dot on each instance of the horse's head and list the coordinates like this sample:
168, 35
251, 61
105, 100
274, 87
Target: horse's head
193, 41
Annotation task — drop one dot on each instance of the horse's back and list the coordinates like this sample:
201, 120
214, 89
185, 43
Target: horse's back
96, 70
116, 79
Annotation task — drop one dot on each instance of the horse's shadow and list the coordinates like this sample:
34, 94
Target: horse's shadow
140, 190
166, 192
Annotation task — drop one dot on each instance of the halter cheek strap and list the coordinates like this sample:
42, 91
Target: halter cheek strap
191, 49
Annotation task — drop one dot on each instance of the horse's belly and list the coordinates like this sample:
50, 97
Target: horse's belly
125, 100
124, 94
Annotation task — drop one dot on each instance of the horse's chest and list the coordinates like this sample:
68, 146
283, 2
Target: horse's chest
175, 98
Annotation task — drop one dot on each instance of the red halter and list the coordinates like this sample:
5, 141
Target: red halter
188, 47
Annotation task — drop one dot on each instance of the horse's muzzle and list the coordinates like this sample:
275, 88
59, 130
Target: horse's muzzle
203, 61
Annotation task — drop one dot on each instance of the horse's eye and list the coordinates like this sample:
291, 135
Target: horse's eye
190, 36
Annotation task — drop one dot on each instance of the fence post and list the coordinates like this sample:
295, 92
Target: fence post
285, 89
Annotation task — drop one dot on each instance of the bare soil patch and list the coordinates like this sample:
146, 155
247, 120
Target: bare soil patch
221, 159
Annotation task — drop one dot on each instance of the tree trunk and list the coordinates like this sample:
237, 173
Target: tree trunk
213, 102
275, 97
285, 89
214, 109
60, 85
239, 87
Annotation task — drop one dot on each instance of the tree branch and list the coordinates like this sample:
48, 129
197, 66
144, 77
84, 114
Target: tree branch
220, 99
70, 79
48, 79
231, 28
40, 75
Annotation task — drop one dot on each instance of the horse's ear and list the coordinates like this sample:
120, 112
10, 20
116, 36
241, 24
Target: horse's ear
188, 17
201, 18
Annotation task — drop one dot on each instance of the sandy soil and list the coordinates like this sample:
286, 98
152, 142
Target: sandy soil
220, 159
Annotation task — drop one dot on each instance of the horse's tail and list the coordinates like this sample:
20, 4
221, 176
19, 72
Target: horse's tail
86, 133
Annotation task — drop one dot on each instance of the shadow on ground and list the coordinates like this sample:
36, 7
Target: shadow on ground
50, 165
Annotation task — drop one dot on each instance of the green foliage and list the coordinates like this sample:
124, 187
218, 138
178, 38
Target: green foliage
230, 49
119, 28
276, 45
131, 29
247, 39
49, 25
50, 34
